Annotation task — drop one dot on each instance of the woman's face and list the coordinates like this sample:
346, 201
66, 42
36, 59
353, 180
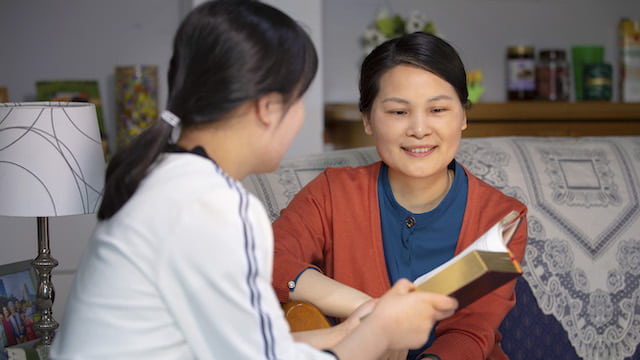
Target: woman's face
292, 123
416, 121
287, 127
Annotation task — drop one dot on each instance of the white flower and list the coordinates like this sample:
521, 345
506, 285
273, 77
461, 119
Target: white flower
416, 22
373, 37
388, 26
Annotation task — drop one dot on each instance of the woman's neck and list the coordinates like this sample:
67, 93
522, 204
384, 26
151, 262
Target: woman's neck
222, 146
420, 195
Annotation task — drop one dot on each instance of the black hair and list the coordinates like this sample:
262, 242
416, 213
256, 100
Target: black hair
225, 53
423, 50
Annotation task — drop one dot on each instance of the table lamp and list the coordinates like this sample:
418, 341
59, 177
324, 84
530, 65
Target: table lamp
51, 164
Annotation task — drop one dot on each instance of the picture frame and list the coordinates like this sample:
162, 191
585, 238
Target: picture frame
18, 292
78, 91
4, 94
73, 90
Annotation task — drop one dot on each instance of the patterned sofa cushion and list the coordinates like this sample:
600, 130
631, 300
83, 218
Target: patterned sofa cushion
582, 262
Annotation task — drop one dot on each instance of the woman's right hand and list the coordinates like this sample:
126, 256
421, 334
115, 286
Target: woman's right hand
395, 355
408, 316
402, 319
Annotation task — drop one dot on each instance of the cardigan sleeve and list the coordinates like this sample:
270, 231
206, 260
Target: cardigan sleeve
300, 235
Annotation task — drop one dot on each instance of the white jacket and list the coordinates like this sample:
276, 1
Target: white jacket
182, 271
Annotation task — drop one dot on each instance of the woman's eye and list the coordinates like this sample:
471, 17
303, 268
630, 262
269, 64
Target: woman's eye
438, 110
397, 112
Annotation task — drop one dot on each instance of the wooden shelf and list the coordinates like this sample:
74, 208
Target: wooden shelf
532, 118
538, 110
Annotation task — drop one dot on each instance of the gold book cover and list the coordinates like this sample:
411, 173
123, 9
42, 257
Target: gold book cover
479, 269
473, 276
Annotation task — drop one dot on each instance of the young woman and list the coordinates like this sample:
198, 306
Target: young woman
352, 232
179, 266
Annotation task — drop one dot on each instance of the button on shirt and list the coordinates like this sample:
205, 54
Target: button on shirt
415, 244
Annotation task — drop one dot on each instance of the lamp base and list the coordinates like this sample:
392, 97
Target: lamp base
43, 264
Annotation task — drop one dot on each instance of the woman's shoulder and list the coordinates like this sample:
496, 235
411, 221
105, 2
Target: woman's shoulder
187, 172
342, 181
482, 192
357, 173
183, 183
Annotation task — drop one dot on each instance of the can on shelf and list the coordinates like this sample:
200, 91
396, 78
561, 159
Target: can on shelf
597, 81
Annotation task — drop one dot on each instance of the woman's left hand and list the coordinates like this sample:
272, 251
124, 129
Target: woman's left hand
395, 355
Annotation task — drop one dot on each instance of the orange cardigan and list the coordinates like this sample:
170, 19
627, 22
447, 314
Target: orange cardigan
333, 223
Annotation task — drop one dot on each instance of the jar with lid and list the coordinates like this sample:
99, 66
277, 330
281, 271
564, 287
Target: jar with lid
552, 76
521, 73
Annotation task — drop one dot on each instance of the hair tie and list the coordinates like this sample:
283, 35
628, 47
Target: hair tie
170, 118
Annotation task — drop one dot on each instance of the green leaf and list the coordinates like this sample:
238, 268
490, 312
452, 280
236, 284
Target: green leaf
429, 28
385, 25
391, 26
475, 93
398, 25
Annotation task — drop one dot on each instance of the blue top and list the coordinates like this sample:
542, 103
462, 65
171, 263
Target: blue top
415, 244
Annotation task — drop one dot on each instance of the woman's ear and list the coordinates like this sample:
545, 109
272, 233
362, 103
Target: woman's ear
269, 108
366, 121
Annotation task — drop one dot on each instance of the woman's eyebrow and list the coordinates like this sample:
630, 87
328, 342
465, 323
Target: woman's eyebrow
404, 101
439, 97
395, 99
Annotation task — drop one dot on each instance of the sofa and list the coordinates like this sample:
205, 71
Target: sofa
579, 296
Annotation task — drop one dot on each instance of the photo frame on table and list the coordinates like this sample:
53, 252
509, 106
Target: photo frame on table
77, 91
18, 289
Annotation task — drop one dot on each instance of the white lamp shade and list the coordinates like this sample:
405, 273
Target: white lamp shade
51, 159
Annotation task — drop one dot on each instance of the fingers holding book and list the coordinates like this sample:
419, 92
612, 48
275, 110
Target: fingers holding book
409, 315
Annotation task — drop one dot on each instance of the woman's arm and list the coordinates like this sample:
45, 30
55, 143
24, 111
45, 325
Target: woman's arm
331, 297
321, 338
303, 242
329, 337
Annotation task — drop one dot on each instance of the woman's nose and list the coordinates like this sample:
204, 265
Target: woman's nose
419, 126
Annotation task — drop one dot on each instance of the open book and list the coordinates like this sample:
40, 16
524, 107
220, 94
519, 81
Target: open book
482, 267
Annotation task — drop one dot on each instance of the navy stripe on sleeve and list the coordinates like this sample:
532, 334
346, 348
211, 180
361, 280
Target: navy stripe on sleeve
266, 326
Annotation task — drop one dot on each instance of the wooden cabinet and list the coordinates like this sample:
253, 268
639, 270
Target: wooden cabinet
343, 127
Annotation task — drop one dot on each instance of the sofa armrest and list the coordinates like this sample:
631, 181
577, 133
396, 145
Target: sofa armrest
303, 316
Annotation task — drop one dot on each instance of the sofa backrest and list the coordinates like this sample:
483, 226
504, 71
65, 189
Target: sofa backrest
276, 189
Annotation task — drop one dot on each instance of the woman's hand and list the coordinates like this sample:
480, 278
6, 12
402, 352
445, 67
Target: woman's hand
395, 355
409, 315
358, 315
402, 319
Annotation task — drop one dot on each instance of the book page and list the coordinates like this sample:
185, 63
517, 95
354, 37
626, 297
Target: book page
495, 240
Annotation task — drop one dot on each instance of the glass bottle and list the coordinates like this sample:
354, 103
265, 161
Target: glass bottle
552, 76
521, 73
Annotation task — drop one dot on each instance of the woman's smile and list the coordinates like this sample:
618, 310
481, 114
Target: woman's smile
419, 151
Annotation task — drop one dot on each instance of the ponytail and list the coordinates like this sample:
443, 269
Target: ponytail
130, 165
